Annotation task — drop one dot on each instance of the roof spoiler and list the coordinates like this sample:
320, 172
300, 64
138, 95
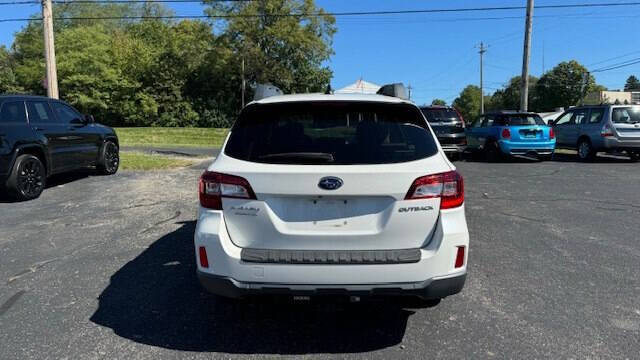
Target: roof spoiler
265, 91
395, 90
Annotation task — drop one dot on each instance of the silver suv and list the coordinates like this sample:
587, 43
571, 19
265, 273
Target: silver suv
608, 128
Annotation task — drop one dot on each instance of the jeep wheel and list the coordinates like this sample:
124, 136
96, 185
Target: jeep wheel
110, 159
585, 150
27, 179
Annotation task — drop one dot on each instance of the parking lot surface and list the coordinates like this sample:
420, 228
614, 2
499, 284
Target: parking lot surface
103, 267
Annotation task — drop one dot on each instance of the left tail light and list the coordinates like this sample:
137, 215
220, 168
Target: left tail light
552, 134
448, 186
214, 186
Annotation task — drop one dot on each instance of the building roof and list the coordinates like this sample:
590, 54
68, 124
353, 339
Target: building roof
359, 87
331, 97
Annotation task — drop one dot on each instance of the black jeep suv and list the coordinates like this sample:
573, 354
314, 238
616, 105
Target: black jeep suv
40, 137
448, 125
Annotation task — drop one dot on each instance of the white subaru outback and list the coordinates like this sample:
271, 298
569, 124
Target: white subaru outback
332, 194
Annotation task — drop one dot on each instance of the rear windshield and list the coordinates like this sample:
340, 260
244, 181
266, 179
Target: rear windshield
520, 120
436, 115
626, 115
339, 133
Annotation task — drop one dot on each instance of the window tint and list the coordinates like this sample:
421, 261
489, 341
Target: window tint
435, 115
40, 112
66, 114
626, 115
564, 119
488, 120
520, 120
13, 112
338, 133
596, 116
580, 116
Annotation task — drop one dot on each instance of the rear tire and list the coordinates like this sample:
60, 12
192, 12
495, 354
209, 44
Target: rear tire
109, 159
492, 152
585, 150
27, 179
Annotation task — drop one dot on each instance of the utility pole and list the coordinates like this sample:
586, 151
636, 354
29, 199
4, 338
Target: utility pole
49, 50
483, 50
243, 83
409, 88
524, 81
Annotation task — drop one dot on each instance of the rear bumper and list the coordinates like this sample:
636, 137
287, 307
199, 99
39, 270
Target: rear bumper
453, 149
228, 270
613, 143
428, 289
523, 148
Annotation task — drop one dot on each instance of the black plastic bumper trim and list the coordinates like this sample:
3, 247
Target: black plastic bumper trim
346, 257
428, 289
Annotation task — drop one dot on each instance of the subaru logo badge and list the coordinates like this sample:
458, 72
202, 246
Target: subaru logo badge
330, 183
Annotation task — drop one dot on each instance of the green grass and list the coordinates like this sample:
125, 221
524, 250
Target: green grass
172, 137
140, 161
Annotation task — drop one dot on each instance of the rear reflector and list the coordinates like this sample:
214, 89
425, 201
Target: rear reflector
204, 261
448, 186
460, 257
215, 186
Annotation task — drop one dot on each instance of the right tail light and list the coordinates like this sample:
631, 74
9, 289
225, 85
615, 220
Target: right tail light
214, 186
448, 186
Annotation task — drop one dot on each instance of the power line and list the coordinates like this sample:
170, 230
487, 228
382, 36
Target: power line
618, 66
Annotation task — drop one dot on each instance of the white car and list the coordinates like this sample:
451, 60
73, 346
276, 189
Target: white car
342, 194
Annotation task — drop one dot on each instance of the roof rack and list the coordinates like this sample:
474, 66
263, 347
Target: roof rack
395, 90
265, 91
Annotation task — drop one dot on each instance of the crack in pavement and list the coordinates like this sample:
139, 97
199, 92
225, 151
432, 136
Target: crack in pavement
175, 216
10, 302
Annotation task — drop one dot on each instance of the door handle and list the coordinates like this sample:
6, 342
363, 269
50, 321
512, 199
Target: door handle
36, 128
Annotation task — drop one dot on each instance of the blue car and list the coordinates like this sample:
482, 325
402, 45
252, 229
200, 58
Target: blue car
516, 133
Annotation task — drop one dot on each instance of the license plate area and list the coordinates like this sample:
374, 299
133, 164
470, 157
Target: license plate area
330, 213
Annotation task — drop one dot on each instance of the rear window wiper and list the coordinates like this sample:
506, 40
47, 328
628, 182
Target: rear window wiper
317, 156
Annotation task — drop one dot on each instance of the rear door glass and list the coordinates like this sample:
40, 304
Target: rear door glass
40, 112
596, 116
13, 112
437, 115
626, 115
333, 133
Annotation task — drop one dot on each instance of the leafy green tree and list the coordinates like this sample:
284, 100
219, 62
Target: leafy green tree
288, 51
438, 102
8, 83
564, 86
632, 84
508, 98
468, 103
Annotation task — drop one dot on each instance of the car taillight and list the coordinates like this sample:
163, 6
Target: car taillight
552, 134
214, 186
449, 187
506, 134
606, 131
460, 116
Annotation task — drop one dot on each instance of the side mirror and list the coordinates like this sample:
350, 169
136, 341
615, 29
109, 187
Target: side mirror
88, 119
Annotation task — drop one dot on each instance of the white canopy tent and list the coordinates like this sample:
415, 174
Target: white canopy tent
359, 87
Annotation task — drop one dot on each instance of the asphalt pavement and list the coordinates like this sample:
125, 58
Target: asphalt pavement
103, 267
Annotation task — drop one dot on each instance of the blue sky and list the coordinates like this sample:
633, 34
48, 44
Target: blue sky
437, 53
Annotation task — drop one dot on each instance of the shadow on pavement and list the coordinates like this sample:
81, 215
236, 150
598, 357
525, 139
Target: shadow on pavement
600, 159
156, 299
53, 181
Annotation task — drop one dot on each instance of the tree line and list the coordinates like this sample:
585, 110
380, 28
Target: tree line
159, 72
563, 86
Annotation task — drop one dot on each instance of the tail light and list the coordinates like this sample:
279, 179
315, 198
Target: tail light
506, 134
460, 116
606, 131
215, 186
460, 257
449, 187
552, 134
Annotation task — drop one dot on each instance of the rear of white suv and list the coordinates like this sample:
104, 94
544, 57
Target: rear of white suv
331, 194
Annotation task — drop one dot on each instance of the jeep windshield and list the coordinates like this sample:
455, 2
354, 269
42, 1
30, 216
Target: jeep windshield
332, 133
